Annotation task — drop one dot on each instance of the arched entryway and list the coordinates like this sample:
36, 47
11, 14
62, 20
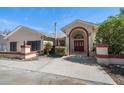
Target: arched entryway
78, 41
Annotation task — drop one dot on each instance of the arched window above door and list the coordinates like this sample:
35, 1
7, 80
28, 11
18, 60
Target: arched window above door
78, 36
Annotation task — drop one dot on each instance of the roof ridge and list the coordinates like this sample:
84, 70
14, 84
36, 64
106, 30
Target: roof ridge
20, 26
77, 20
33, 29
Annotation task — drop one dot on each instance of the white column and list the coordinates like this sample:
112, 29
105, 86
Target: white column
25, 48
67, 43
102, 54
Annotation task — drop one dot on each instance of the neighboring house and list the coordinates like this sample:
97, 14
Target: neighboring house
80, 36
22, 35
60, 39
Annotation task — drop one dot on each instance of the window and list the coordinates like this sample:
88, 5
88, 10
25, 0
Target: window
13, 46
2, 47
35, 45
78, 36
62, 43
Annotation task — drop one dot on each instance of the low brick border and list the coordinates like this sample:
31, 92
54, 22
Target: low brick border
103, 57
17, 54
110, 56
25, 46
102, 45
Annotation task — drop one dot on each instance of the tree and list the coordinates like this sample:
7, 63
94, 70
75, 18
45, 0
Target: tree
111, 32
122, 10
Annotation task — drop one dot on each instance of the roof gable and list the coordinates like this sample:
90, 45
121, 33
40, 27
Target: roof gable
22, 27
75, 22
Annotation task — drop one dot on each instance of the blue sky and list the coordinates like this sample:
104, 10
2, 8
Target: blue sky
43, 18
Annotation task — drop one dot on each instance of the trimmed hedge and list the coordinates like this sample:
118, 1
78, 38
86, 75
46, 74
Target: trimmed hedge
60, 51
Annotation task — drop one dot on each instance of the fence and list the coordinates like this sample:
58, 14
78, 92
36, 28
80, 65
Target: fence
104, 58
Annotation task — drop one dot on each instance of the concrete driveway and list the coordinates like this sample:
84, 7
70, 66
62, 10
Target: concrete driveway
63, 67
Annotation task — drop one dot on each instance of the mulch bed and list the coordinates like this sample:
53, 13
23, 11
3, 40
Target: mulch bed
116, 72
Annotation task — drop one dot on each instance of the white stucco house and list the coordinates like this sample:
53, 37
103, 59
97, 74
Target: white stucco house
78, 37
21, 35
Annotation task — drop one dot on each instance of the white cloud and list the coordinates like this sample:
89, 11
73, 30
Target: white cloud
10, 25
4, 21
7, 25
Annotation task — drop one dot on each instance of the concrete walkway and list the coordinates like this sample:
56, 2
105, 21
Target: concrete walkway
80, 71
11, 76
60, 66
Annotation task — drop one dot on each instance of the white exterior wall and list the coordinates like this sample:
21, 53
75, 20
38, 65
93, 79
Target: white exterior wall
67, 43
107, 61
90, 43
3, 43
116, 61
72, 45
8, 46
42, 44
102, 50
22, 35
92, 39
19, 43
103, 61
26, 50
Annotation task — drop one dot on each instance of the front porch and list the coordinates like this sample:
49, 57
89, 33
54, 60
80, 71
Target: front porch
78, 41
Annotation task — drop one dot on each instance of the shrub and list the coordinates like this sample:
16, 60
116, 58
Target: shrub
60, 51
52, 51
48, 47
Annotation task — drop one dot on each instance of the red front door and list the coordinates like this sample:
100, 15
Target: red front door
78, 45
